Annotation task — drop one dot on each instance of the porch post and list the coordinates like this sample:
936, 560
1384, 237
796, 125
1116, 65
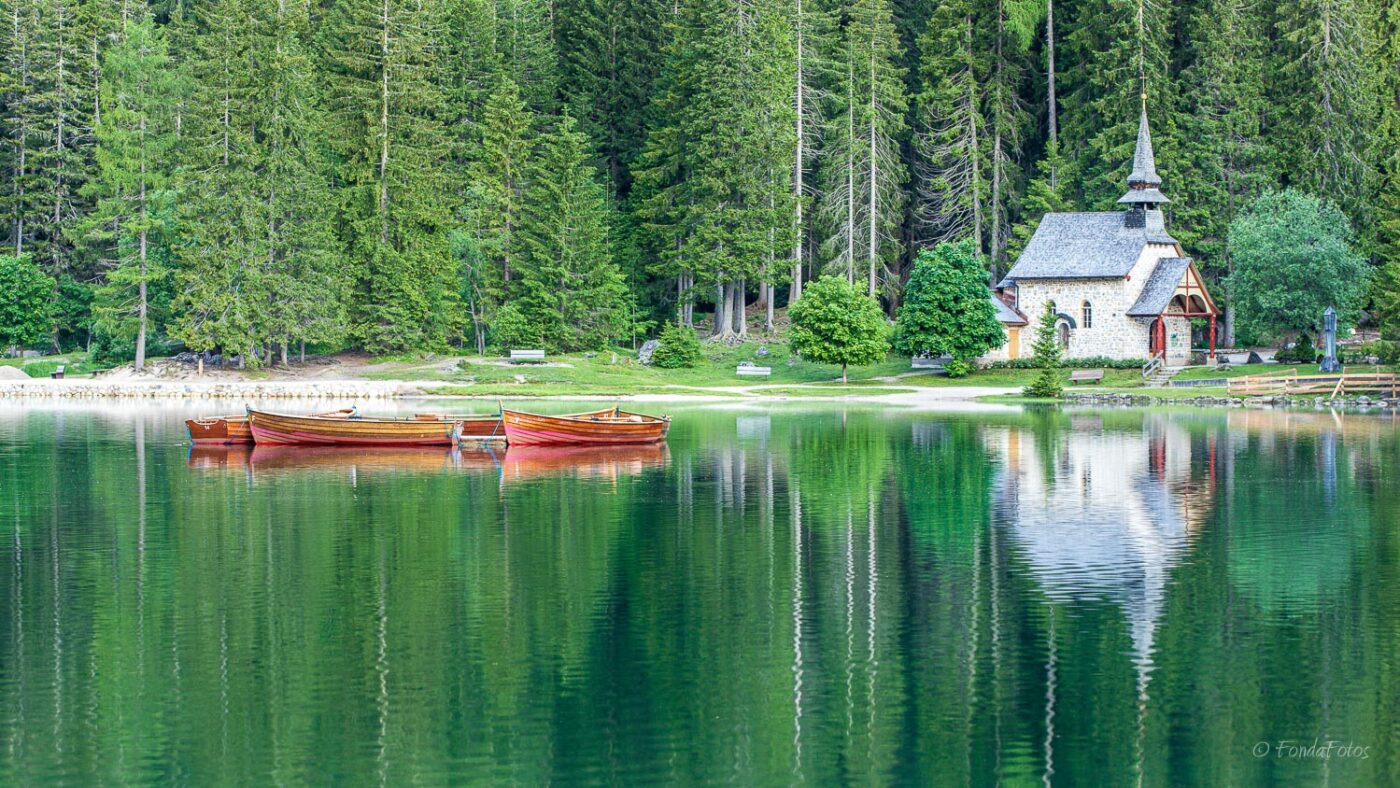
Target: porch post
1212, 336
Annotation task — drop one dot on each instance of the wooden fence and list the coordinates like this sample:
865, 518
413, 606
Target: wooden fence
1289, 382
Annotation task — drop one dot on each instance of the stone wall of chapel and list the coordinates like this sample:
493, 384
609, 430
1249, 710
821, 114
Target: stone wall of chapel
1112, 333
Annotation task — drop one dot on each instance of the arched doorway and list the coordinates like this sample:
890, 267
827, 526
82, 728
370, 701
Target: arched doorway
1157, 338
1062, 334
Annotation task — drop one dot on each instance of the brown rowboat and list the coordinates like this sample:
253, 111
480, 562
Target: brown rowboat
280, 428
613, 427
230, 430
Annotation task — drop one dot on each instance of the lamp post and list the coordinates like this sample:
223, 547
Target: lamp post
1329, 333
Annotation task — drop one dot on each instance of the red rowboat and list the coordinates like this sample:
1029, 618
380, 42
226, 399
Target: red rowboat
230, 430
612, 426
280, 428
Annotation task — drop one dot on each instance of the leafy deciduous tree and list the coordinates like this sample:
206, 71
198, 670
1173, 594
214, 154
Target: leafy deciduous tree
947, 307
836, 323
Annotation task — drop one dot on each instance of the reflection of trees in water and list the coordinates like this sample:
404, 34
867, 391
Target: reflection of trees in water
866, 595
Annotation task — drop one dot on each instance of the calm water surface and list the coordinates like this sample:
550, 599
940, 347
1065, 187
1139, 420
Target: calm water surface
779, 595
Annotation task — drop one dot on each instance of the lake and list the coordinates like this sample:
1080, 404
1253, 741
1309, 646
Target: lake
782, 593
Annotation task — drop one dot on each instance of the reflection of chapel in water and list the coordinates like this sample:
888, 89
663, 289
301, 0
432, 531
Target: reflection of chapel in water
1105, 514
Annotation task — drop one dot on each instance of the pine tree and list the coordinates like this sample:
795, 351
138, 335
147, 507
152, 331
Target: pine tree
951, 168
256, 269
498, 176
1324, 101
387, 130
1044, 194
812, 45
570, 289
607, 67
1014, 23
1046, 352
863, 200
53, 116
709, 177
136, 137
1118, 51
21, 120
525, 48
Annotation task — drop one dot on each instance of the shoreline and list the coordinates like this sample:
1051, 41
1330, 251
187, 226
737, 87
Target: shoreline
979, 398
389, 390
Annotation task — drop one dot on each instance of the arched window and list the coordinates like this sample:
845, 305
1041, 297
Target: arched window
1054, 310
1088, 317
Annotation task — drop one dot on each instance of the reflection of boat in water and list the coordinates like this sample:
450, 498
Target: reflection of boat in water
366, 458
205, 457
589, 462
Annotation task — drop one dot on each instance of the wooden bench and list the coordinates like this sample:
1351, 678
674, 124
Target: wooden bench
1086, 376
517, 356
748, 369
57, 374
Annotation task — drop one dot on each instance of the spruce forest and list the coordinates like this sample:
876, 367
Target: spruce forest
257, 176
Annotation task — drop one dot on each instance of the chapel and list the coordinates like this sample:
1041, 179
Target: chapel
1119, 285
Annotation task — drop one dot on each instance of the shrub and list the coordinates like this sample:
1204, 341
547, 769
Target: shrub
958, 368
1087, 362
512, 330
1383, 351
679, 348
1302, 352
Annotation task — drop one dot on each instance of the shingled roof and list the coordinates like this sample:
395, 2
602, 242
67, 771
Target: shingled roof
1144, 163
1007, 315
1160, 287
1086, 246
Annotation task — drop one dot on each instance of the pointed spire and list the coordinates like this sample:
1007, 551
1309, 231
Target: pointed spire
1143, 180
1144, 163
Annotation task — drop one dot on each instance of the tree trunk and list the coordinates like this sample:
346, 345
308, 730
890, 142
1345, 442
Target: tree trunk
1050, 102
283, 350
843, 372
768, 317
302, 352
721, 325
874, 175
741, 320
796, 291
850, 175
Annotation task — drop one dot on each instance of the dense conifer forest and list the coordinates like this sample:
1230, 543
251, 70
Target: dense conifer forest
254, 176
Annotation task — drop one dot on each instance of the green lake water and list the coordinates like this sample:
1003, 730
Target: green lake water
781, 594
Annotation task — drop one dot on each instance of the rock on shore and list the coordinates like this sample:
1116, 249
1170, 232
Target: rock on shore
1363, 404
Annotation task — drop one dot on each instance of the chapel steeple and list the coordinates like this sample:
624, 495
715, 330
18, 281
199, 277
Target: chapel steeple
1143, 182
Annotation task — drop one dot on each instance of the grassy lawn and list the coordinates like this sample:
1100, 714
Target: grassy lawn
40, 367
620, 373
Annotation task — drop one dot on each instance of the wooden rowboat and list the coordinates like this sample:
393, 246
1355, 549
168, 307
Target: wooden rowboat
219, 430
281, 428
233, 430
474, 428
612, 426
